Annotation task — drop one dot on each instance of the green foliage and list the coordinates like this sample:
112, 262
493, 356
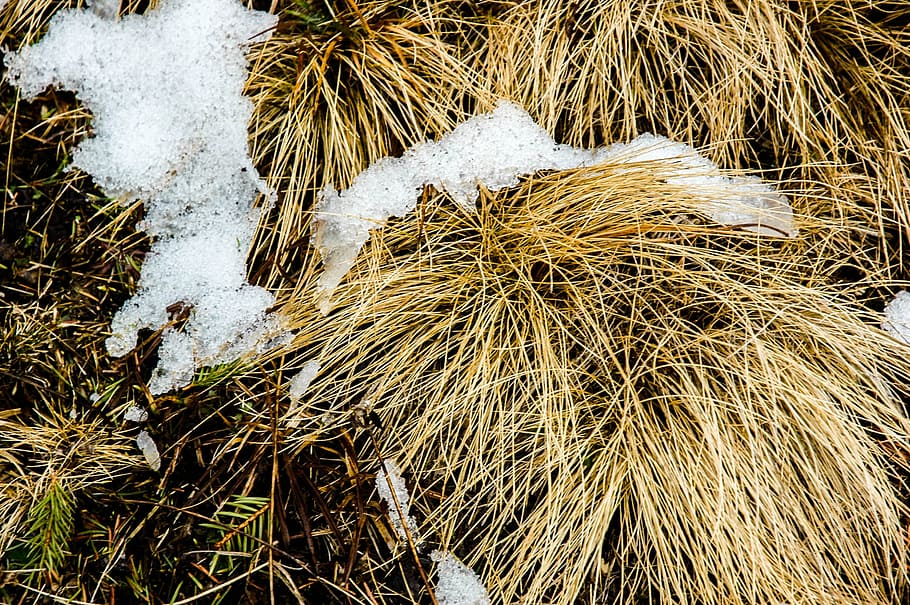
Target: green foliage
312, 15
240, 531
50, 526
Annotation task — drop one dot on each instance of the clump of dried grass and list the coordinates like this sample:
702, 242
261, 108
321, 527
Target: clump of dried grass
351, 85
596, 399
595, 381
820, 87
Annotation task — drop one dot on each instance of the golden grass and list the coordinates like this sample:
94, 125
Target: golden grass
614, 404
763, 84
374, 79
594, 381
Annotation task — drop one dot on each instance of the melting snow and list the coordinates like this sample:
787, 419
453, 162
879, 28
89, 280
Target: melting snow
457, 583
494, 150
897, 317
147, 445
170, 128
136, 413
400, 513
300, 382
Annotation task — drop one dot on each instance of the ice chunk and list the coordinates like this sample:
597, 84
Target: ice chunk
897, 317
136, 413
457, 583
388, 482
170, 127
494, 150
147, 445
301, 380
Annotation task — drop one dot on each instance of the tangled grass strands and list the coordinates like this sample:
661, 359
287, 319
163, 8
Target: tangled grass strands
364, 85
592, 377
759, 84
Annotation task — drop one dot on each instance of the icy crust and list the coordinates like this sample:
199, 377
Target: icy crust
736, 201
897, 317
495, 150
170, 127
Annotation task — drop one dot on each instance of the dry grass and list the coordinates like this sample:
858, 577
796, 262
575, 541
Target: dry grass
357, 84
820, 87
580, 383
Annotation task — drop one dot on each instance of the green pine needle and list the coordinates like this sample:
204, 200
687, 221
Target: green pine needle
50, 526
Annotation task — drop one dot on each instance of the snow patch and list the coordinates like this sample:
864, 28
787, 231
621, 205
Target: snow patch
897, 317
300, 382
149, 450
388, 482
494, 150
135, 413
457, 583
107, 9
170, 128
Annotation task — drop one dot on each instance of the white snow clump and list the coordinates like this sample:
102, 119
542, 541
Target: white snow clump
170, 127
147, 445
400, 514
897, 317
458, 584
494, 150
300, 382
136, 413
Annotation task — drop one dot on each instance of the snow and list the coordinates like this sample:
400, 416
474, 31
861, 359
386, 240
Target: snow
147, 445
744, 202
135, 413
300, 382
457, 583
108, 9
897, 317
170, 127
495, 150
388, 482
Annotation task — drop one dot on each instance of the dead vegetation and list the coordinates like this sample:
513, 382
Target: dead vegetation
596, 394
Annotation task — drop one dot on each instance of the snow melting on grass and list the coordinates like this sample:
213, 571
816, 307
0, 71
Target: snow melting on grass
147, 445
170, 127
457, 584
394, 492
300, 382
897, 317
494, 150
136, 413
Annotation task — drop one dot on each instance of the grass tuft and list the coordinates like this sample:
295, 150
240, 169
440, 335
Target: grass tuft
586, 376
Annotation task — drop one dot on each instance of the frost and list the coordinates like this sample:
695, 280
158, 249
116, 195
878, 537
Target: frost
398, 514
136, 413
149, 450
897, 317
301, 380
494, 150
457, 583
170, 128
